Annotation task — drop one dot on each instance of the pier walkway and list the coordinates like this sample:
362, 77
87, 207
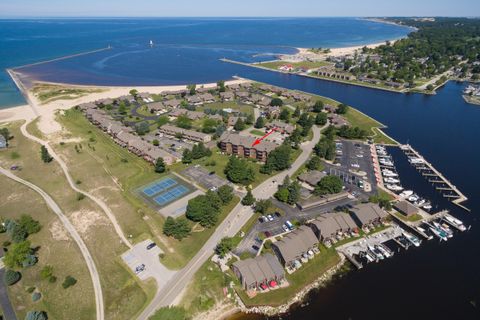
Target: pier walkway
440, 183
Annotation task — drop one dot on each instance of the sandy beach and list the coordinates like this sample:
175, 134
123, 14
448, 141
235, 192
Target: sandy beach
46, 112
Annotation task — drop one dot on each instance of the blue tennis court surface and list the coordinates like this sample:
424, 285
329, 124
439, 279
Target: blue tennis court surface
170, 195
159, 186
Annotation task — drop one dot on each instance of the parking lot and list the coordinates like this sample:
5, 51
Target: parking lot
145, 263
355, 164
275, 227
203, 177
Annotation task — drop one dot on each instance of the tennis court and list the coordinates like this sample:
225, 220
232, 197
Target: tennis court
170, 195
159, 186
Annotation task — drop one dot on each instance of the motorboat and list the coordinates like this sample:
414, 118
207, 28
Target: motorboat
439, 233
447, 230
376, 252
422, 230
455, 222
387, 253
413, 198
389, 174
413, 239
391, 180
406, 193
394, 187
420, 202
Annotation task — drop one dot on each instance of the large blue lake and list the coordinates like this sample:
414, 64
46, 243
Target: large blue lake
185, 50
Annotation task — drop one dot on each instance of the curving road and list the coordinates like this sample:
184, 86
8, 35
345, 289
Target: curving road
73, 185
75, 236
232, 224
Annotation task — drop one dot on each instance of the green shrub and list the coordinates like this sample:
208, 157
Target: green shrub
6, 243
68, 282
80, 196
30, 289
11, 277
36, 296
36, 315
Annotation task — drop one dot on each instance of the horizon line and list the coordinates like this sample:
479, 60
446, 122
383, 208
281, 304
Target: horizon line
226, 17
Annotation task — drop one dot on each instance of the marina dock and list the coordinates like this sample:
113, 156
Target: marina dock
435, 177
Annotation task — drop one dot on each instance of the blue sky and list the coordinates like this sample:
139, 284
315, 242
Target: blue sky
256, 8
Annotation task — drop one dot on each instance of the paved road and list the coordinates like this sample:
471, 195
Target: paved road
73, 185
8, 312
75, 236
228, 228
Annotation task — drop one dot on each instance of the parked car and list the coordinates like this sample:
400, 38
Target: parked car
256, 248
139, 268
289, 225
151, 245
270, 217
285, 228
267, 234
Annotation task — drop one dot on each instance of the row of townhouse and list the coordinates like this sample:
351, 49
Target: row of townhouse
186, 134
124, 136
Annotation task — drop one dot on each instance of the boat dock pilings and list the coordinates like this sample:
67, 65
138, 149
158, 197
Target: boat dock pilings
441, 184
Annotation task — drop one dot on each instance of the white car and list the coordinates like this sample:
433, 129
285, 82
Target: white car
270, 217
285, 228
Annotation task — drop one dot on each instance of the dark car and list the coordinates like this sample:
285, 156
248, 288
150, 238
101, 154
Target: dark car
256, 248
151, 245
267, 234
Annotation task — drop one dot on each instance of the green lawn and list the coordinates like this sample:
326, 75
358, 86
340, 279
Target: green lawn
124, 295
206, 289
257, 132
245, 108
413, 218
306, 275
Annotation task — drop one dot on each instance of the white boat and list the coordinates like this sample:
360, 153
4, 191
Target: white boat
413, 198
447, 231
389, 174
427, 206
415, 160
394, 187
384, 250
455, 222
424, 232
370, 257
151, 43
376, 252
410, 237
391, 180
420, 202
406, 193
439, 233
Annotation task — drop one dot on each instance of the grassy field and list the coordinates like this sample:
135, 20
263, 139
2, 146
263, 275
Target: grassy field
413, 218
303, 64
206, 289
49, 92
57, 249
187, 248
124, 296
257, 132
306, 275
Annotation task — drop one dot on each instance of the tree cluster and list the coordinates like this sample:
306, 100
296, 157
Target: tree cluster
328, 185
288, 191
239, 171
177, 228
278, 160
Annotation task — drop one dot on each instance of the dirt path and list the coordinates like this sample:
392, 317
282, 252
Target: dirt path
75, 236
72, 184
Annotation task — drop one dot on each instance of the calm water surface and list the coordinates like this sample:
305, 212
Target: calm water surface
436, 280
185, 50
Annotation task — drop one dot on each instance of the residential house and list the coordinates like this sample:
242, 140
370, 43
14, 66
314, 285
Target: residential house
406, 208
337, 120
282, 127
155, 107
174, 103
242, 146
311, 178
227, 96
192, 115
187, 134
368, 214
293, 245
329, 227
207, 98
194, 100
260, 271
